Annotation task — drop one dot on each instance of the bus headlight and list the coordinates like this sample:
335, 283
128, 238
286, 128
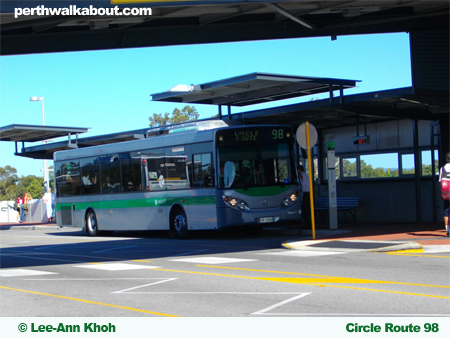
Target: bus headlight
290, 199
235, 203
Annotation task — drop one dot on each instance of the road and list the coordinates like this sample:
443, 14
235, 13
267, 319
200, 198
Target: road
65, 273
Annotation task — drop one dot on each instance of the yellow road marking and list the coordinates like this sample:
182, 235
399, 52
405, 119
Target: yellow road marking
335, 279
388, 291
406, 251
315, 281
395, 253
88, 301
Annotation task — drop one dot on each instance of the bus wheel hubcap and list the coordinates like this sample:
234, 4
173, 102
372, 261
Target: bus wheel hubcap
180, 223
91, 223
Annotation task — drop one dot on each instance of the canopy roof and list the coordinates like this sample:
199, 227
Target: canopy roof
35, 133
252, 89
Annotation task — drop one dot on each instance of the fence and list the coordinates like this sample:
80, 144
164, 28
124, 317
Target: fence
37, 212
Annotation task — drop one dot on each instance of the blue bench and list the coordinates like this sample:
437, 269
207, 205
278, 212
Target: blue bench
343, 203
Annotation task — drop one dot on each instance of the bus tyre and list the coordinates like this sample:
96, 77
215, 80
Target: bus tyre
179, 226
91, 224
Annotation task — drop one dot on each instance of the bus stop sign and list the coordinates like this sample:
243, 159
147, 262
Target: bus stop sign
301, 135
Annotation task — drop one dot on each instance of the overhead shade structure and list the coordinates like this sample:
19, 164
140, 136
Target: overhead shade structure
36, 133
253, 88
45, 151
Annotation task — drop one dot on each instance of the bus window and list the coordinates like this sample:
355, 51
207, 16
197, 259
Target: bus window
202, 171
67, 177
130, 165
90, 182
266, 164
154, 158
110, 173
228, 174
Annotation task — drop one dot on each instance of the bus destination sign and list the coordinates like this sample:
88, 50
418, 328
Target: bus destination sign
254, 135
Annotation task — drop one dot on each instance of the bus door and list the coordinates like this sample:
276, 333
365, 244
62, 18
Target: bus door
203, 173
202, 207
74, 215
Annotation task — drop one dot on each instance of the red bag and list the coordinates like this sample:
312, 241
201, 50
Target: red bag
445, 186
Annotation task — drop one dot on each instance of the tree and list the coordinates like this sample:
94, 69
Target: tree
188, 113
11, 185
8, 178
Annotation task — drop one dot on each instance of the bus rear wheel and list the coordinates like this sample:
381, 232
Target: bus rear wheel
179, 224
91, 224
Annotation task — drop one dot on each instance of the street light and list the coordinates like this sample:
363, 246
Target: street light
46, 183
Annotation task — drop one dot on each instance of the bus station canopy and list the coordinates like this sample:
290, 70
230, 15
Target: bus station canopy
45, 151
253, 88
182, 22
35, 133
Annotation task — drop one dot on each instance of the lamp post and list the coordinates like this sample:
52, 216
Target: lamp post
46, 183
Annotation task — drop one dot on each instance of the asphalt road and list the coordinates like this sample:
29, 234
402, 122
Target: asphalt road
65, 273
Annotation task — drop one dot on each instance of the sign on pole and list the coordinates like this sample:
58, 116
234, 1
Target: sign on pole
301, 135
307, 137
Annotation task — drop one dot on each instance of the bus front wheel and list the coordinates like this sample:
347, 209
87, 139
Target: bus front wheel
91, 224
179, 224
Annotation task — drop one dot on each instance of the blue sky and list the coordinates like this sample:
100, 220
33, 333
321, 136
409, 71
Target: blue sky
109, 91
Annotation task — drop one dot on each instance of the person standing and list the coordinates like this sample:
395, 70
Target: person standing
26, 198
306, 202
49, 200
19, 202
444, 174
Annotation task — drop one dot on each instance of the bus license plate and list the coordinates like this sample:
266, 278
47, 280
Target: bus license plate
266, 220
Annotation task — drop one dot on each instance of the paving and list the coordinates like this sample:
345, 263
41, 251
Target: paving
386, 237
29, 226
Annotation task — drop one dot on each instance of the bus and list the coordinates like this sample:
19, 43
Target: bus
204, 175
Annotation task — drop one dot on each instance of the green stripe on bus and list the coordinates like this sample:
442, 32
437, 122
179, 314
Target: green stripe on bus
140, 203
264, 191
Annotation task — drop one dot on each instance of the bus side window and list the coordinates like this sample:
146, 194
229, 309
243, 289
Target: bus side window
202, 171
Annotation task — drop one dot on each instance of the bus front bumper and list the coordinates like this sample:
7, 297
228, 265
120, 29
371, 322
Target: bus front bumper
229, 217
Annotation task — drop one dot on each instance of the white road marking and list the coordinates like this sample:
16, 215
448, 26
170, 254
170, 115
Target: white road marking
87, 279
212, 260
116, 266
303, 253
141, 286
24, 272
192, 252
117, 248
46, 247
212, 293
261, 312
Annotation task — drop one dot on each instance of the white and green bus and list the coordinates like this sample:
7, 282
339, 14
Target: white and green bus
201, 175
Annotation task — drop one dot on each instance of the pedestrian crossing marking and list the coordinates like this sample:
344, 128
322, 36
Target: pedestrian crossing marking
24, 272
116, 266
212, 260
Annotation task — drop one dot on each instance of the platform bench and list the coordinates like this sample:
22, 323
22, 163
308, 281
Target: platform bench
343, 203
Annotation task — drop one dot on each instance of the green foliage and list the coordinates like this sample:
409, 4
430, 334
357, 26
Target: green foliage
11, 185
8, 180
349, 168
188, 113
